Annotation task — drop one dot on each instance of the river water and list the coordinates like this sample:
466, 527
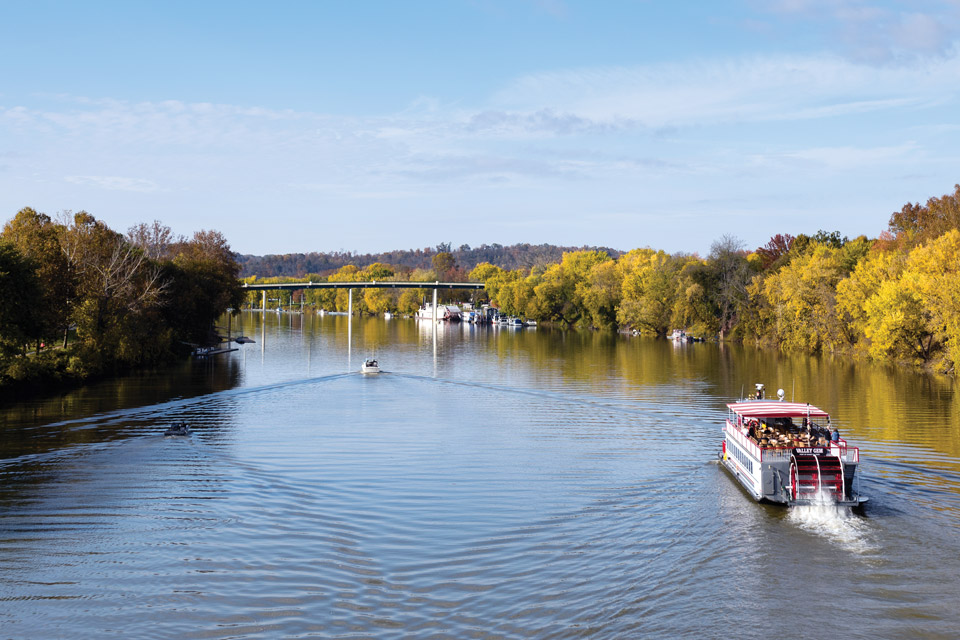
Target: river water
491, 483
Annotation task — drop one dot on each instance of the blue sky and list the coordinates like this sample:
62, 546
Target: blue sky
368, 126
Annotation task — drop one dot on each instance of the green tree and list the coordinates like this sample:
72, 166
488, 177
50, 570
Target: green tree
731, 274
693, 307
203, 284
443, 263
20, 292
38, 238
118, 288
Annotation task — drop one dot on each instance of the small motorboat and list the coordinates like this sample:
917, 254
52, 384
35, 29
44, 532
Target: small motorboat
370, 365
177, 429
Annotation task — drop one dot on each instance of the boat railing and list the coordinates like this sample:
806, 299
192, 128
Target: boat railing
845, 453
745, 441
776, 454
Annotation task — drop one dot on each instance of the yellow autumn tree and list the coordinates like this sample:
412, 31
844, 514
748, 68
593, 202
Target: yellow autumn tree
933, 275
800, 300
600, 294
378, 300
863, 283
649, 290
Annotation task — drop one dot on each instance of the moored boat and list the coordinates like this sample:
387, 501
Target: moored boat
784, 453
445, 312
451, 313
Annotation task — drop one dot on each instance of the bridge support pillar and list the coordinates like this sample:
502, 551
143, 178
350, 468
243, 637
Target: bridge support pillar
263, 304
350, 302
434, 306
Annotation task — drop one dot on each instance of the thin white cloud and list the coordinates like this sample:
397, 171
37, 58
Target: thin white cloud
842, 158
741, 90
559, 128
921, 32
578, 102
879, 32
115, 183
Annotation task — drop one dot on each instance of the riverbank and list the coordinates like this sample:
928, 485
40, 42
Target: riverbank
56, 370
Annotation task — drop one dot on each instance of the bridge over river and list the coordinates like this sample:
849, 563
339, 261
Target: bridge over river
350, 286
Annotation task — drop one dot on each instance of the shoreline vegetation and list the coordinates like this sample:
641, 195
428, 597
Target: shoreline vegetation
82, 302
894, 298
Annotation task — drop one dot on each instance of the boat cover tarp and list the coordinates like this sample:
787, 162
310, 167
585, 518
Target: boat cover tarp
776, 409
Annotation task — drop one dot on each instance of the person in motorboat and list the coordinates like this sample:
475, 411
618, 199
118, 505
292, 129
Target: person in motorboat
177, 429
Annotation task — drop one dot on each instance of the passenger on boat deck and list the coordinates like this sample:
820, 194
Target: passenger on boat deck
835, 436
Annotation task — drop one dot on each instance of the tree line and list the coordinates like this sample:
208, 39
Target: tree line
82, 300
894, 297
297, 265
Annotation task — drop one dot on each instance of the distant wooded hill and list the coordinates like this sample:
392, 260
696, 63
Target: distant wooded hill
466, 257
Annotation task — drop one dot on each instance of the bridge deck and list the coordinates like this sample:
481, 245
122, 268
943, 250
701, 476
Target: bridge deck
362, 285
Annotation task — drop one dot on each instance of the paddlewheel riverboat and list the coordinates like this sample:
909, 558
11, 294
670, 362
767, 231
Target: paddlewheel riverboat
785, 453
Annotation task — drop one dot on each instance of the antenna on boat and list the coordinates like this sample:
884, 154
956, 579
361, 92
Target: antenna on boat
793, 392
741, 392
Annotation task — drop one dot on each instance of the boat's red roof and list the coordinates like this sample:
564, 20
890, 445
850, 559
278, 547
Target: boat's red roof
775, 409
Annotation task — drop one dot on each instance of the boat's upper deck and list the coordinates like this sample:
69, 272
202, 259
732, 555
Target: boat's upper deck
772, 429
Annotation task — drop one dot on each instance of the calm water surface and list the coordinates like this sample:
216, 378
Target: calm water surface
492, 483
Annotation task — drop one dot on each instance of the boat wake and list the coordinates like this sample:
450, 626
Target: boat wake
837, 524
